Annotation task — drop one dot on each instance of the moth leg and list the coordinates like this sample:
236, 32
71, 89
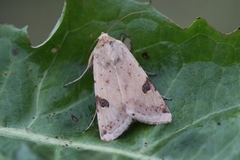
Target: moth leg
90, 63
151, 73
166, 98
93, 118
154, 74
123, 36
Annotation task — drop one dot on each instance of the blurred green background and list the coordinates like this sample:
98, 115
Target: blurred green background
41, 16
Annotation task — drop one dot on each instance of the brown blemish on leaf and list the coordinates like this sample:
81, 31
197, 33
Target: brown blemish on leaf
91, 35
74, 118
15, 52
54, 50
145, 144
145, 55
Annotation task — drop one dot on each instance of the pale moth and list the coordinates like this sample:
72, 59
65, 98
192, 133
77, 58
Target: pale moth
123, 90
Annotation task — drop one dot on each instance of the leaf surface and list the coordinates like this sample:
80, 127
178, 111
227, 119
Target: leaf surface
197, 67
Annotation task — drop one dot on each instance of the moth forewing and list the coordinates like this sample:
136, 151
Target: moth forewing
122, 83
112, 117
143, 102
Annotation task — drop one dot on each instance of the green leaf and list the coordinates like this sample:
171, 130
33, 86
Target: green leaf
197, 67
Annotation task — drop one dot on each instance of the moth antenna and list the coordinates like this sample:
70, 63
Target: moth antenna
124, 18
91, 121
91, 48
90, 63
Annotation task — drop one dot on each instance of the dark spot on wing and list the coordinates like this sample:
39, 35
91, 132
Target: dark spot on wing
107, 81
110, 43
126, 86
102, 102
103, 132
129, 73
165, 110
146, 86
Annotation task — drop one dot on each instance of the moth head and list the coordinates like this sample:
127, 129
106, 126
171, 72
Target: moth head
104, 38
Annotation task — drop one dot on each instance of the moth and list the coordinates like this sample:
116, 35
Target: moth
123, 90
